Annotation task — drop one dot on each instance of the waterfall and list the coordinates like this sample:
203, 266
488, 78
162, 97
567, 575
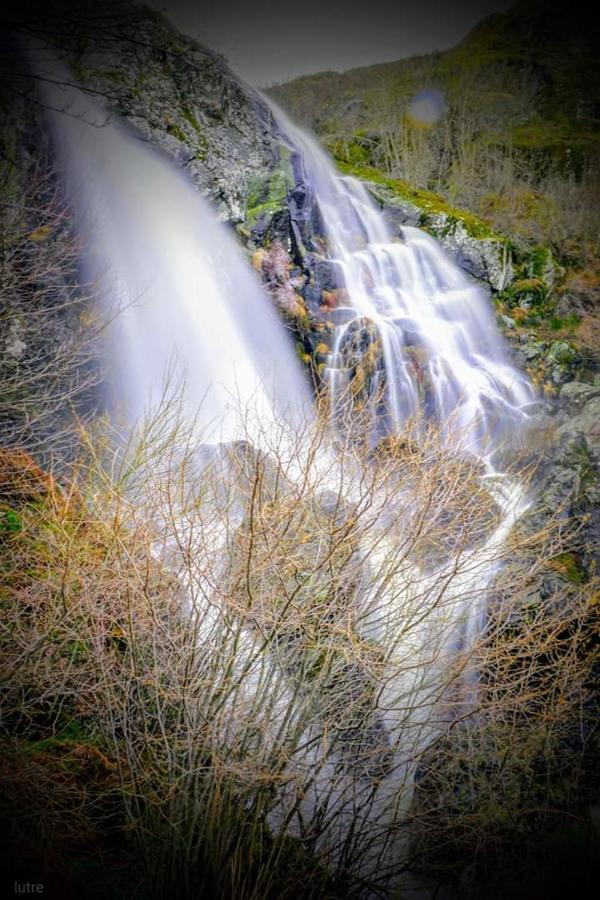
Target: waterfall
443, 358
187, 307
188, 317
445, 364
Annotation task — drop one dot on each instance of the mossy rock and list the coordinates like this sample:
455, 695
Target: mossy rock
569, 566
479, 250
540, 264
429, 203
267, 193
526, 293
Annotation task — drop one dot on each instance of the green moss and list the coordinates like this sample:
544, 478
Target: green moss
175, 130
255, 195
199, 142
431, 204
277, 187
72, 732
10, 521
267, 209
532, 290
568, 323
191, 119
561, 353
568, 565
538, 260
267, 194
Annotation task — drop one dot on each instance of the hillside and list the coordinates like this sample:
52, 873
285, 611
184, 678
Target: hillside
505, 124
532, 45
536, 39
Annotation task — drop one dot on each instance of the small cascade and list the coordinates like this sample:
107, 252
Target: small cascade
425, 331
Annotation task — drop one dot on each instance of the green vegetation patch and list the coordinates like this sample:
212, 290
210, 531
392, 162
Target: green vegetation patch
349, 151
427, 201
10, 521
569, 567
526, 292
267, 193
191, 119
176, 131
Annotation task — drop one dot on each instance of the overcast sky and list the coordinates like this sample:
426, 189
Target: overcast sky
276, 40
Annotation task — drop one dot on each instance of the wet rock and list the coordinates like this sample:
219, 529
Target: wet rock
341, 315
302, 593
549, 365
575, 394
397, 212
327, 272
562, 361
186, 101
568, 485
360, 352
485, 256
586, 422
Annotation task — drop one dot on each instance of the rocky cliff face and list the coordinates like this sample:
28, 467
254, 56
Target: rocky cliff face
183, 98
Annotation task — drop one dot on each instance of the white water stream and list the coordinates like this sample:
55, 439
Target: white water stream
444, 363
444, 360
188, 317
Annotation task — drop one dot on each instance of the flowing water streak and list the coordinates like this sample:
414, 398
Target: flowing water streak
189, 317
422, 305
443, 357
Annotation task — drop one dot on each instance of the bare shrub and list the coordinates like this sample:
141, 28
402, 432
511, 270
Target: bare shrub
49, 328
267, 644
533, 187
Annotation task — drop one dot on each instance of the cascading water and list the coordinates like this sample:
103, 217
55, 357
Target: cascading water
443, 359
190, 305
187, 314
444, 364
